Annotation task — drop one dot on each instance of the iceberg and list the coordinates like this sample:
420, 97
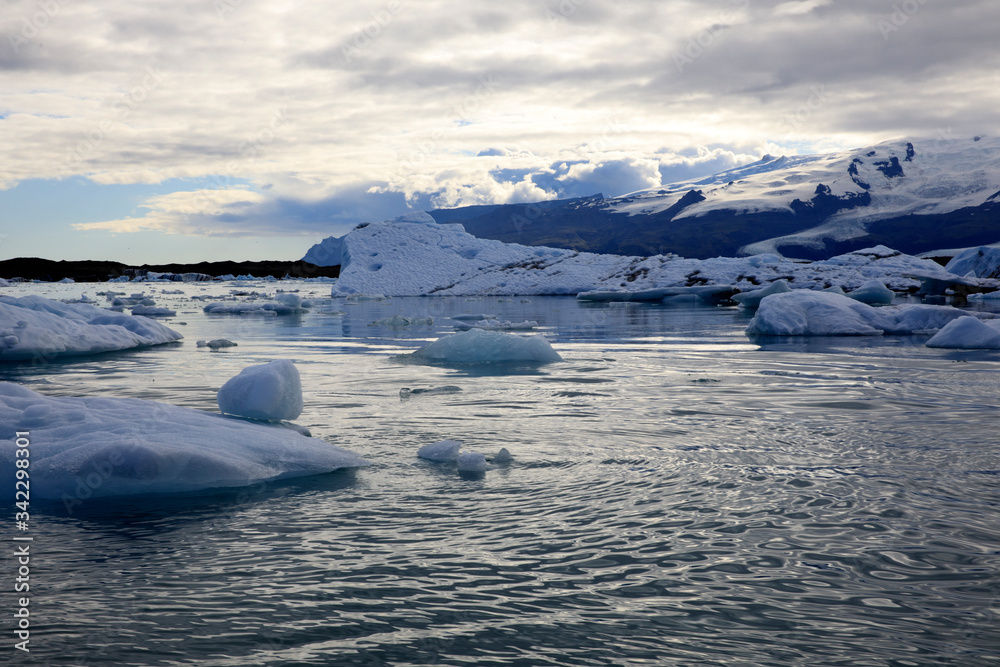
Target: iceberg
752, 299
982, 262
472, 462
91, 447
269, 392
443, 450
809, 313
874, 293
968, 333
479, 346
32, 327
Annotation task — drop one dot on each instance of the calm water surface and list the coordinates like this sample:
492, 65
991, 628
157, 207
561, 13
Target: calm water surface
680, 495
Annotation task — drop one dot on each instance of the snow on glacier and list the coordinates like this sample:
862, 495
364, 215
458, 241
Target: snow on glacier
90, 447
479, 346
269, 392
34, 327
809, 313
421, 259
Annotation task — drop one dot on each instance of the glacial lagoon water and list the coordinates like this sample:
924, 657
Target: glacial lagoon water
679, 495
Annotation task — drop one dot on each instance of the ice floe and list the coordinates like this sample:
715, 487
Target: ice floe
968, 333
809, 313
753, 298
89, 447
32, 327
442, 450
478, 346
269, 392
472, 462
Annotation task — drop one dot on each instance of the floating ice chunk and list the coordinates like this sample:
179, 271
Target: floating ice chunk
982, 261
91, 447
809, 313
216, 343
479, 346
874, 293
472, 462
67, 280
753, 299
267, 308
968, 333
47, 328
4, 283
498, 325
153, 311
270, 392
293, 300
443, 450
836, 289
503, 456
398, 321
406, 392
473, 318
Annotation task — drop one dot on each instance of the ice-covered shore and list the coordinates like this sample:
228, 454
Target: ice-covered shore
417, 257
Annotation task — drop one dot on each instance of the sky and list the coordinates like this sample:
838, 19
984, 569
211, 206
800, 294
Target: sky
196, 130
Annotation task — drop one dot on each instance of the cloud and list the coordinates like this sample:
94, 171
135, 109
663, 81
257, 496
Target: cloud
339, 112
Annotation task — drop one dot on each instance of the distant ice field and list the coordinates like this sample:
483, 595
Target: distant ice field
679, 494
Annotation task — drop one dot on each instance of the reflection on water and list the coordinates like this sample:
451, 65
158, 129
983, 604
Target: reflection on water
679, 495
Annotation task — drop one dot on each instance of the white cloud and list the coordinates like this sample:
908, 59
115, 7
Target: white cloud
317, 103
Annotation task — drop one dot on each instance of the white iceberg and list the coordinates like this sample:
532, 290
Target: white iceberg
90, 447
264, 308
968, 333
398, 321
269, 392
478, 346
443, 450
752, 299
982, 262
874, 293
472, 462
426, 258
33, 327
809, 313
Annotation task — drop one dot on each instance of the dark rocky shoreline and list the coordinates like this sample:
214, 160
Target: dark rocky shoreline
34, 268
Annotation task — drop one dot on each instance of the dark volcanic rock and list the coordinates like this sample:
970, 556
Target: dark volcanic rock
34, 268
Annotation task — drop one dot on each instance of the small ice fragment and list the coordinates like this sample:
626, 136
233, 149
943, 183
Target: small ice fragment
443, 450
406, 392
874, 293
472, 462
216, 343
503, 456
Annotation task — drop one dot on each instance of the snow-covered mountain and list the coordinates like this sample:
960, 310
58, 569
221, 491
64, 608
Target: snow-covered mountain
913, 195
